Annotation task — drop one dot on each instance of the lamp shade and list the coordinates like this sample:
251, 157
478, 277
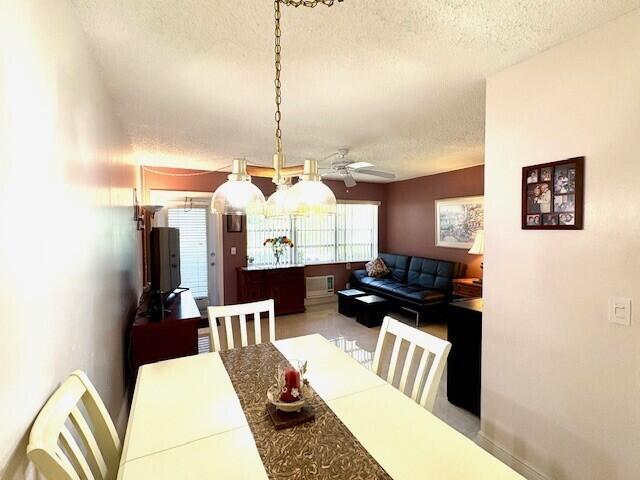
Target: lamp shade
478, 244
278, 204
310, 196
238, 196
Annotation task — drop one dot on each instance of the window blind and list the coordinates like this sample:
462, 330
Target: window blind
349, 235
260, 228
193, 248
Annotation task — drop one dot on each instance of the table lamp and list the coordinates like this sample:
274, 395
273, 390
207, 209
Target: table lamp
478, 249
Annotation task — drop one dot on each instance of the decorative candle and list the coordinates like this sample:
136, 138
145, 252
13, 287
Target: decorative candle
291, 390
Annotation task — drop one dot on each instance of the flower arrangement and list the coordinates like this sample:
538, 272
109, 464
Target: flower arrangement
278, 246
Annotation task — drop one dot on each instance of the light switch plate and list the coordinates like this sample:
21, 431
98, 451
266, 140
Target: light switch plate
233, 250
620, 310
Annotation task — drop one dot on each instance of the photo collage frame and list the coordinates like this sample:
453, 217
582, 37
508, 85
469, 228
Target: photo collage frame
552, 195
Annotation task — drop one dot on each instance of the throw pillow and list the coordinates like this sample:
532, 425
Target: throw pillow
376, 268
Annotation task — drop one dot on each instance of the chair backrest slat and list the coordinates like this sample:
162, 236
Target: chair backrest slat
243, 329
75, 455
68, 471
419, 376
95, 458
407, 366
63, 445
256, 328
430, 345
394, 359
228, 328
241, 311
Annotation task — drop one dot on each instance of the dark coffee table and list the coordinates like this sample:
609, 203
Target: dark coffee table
346, 301
370, 310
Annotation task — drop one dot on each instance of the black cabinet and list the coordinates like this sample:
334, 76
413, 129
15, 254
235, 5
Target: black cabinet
464, 326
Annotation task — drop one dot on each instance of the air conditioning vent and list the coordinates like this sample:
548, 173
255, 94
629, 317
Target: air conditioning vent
318, 287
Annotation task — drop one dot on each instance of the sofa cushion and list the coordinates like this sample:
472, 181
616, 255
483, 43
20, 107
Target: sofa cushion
358, 275
411, 293
432, 274
376, 268
398, 266
376, 282
420, 295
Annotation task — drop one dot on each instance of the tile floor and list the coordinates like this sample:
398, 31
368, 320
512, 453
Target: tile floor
360, 342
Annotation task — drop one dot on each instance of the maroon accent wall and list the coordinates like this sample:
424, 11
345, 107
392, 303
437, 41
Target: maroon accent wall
406, 216
410, 210
209, 182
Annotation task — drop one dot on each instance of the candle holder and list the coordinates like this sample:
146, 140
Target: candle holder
291, 390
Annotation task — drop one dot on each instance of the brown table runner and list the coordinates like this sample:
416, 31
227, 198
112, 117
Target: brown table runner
321, 449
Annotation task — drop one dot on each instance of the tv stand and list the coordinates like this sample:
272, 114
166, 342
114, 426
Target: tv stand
172, 336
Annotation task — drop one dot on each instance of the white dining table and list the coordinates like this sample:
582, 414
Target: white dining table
186, 422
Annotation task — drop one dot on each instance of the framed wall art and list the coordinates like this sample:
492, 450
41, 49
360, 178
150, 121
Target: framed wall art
234, 224
553, 195
458, 220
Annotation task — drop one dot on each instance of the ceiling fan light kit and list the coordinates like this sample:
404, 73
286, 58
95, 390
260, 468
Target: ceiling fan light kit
238, 196
345, 168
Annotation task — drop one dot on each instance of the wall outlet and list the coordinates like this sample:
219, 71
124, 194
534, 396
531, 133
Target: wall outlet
348, 265
234, 250
620, 310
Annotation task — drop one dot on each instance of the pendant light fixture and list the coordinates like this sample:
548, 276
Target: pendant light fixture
310, 196
279, 202
238, 196
307, 197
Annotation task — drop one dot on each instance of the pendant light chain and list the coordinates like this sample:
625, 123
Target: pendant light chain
278, 50
309, 3
278, 54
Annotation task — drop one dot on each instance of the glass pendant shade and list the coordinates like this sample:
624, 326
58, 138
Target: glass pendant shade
310, 196
278, 203
238, 196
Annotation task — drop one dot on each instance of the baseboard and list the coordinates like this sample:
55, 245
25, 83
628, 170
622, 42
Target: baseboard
320, 300
519, 465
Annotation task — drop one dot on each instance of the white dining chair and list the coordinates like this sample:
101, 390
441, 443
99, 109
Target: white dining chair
73, 436
241, 311
431, 347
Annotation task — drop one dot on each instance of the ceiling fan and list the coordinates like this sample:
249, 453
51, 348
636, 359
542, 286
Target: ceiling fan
345, 168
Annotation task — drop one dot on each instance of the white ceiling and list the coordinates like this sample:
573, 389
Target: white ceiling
399, 82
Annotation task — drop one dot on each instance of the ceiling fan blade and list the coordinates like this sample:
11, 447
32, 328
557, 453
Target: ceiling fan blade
376, 173
359, 165
349, 181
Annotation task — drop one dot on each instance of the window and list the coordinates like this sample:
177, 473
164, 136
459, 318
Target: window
260, 228
357, 236
315, 239
193, 248
349, 235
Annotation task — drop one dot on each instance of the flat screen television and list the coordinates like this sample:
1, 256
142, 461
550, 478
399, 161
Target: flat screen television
164, 255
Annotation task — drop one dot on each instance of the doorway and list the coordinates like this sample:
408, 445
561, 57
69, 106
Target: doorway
200, 242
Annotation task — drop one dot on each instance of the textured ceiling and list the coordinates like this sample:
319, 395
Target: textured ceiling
399, 82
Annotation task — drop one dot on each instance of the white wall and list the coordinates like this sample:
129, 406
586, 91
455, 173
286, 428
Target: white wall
68, 245
561, 386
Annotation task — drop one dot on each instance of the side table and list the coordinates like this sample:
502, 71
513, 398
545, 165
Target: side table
370, 310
